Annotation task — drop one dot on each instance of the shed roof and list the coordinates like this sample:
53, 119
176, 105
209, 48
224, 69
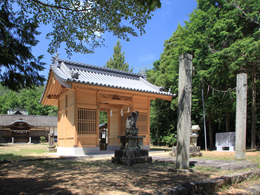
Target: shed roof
38, 121
67, 72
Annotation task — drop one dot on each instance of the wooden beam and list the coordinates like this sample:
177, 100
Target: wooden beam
107, 106
53, 97
113, 101
123, 92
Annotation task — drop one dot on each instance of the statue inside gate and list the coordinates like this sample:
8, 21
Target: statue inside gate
131, 128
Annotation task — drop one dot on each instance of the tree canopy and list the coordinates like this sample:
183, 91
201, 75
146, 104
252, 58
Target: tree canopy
28, 99
80, 24
223, 37
118, 60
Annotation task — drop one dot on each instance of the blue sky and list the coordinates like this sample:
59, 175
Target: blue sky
141, 51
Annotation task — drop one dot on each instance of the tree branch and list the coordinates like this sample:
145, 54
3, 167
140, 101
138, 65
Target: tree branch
238, 7
59, 7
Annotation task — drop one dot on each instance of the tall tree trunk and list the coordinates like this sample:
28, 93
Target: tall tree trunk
227, 122
211, 142
253, 110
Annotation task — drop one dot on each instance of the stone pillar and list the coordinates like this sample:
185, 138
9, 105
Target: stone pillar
241, 116
184, 111
12, 140
30, 140
51, 140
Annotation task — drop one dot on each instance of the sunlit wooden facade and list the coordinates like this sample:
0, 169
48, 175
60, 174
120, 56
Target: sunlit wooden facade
80, 100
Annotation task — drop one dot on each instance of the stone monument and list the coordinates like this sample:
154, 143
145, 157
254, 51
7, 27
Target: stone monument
131, 145
226, 139
51, 146
184, 111
241, 116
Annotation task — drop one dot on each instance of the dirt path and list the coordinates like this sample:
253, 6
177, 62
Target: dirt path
90, 177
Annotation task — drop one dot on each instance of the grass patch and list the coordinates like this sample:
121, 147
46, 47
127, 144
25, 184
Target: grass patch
253, 157
206, 169
160, 148
20, 153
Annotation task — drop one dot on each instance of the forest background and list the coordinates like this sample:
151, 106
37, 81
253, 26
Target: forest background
224, 38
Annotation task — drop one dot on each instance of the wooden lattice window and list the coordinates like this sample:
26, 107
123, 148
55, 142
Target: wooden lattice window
86, 121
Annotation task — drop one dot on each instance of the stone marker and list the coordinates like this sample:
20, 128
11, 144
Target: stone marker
184, 111
51, 146
241, 116
12, 140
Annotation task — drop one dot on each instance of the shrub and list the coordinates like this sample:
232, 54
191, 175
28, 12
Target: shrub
170, 139
1, 139
42, 139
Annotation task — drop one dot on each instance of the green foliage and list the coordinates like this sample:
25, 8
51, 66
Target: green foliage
28, 99
149, 5
169, 139
42, 139
118, 61
102, 117
80, 24
223, 37
17, 37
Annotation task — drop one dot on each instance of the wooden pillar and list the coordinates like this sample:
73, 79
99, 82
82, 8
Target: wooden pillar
76, 118
97, 118
184, 111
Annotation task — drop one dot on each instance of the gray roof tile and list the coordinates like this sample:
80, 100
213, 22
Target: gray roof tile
38, 121
101, 76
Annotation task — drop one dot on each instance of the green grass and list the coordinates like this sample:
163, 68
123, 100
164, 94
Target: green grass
253, 157
19, 153
160, 148
206, 169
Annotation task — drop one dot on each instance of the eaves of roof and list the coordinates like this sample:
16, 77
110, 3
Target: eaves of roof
100, 76
34, 120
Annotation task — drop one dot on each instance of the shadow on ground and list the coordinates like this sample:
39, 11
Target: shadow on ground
88, 177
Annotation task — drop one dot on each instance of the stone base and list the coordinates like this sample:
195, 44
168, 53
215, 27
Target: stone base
194, 151
131, 157
231, 148
113, 147
51, 149
131, 142
67, 151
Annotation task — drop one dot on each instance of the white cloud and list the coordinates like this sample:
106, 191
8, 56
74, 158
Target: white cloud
147, 57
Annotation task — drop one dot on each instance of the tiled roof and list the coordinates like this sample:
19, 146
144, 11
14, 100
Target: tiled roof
66, 72
38, 121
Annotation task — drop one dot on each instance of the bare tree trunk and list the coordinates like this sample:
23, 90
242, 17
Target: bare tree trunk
253, 110
211, 142
227, 122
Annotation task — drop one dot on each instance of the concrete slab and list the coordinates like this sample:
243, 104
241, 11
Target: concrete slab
218, 164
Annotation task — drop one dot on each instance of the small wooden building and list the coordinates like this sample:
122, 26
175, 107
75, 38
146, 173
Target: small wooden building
19, 125
81, 90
